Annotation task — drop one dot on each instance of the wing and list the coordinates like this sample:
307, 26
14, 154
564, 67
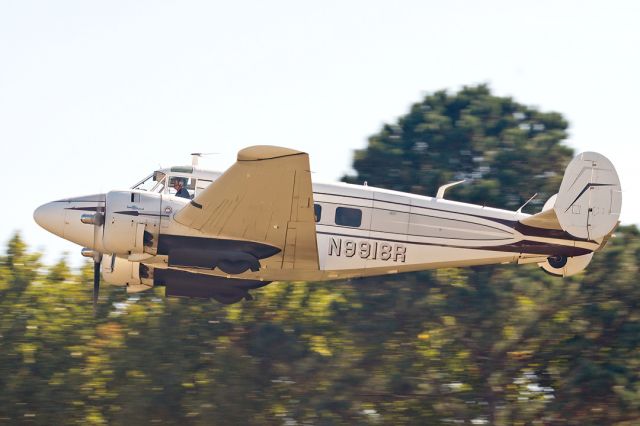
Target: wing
265, 197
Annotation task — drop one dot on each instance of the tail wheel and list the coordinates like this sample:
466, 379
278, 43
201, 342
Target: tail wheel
557, 261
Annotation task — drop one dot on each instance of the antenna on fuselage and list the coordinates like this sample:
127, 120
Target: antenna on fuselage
443, 188
527, 202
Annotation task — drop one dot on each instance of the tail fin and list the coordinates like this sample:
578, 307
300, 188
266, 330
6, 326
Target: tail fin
590, 197
588, 202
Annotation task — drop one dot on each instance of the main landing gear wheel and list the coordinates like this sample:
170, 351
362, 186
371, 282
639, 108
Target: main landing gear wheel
234, 267
228, 299
238, 266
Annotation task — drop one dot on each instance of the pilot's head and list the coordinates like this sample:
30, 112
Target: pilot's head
178, 183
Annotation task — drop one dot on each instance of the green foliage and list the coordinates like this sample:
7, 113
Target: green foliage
506, 150
505, 344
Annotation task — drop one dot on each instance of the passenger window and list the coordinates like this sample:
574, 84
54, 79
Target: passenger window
317, 212
348, 217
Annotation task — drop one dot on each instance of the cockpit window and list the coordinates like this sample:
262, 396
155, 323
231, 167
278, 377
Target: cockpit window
152, 183
145, 184
158, 176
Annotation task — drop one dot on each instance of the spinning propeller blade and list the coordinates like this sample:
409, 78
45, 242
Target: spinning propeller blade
97, 256
96, 285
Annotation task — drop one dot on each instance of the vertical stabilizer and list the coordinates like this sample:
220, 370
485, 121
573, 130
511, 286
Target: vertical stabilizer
589, 200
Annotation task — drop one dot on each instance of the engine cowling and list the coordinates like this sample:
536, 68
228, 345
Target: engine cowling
131, 222
121, 272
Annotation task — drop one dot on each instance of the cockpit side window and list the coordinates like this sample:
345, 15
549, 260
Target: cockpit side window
181, 186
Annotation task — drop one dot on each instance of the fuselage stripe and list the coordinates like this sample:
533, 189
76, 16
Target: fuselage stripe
414, 235
523, 246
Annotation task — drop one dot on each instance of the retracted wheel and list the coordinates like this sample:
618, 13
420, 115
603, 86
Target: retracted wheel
234, 266
228, 299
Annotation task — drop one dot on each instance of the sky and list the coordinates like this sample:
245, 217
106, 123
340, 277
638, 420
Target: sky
96, 95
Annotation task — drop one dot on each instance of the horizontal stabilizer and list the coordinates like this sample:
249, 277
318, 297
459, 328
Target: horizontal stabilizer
546, 219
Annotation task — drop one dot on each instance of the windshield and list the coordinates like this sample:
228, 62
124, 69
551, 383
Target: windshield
152, 183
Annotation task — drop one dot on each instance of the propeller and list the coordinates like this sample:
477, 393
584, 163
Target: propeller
96, 283
98, 221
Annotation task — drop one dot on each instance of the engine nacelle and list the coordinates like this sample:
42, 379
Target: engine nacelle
120, 272
563, 266
127, 227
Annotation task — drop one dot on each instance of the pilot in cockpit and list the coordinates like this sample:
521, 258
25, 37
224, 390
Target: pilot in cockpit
178, 185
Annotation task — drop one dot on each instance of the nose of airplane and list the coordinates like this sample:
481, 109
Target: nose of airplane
50, 216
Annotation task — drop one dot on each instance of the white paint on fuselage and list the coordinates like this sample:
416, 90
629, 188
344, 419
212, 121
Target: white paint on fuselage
399, 231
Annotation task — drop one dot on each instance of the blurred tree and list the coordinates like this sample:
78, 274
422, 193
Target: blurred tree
507, 150
485, 337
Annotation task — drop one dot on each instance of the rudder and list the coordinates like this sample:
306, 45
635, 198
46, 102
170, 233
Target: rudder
590, 197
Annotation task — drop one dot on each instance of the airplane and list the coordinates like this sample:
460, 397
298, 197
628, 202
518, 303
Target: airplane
263, 220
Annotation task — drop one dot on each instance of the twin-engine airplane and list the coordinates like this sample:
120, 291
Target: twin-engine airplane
218, 235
